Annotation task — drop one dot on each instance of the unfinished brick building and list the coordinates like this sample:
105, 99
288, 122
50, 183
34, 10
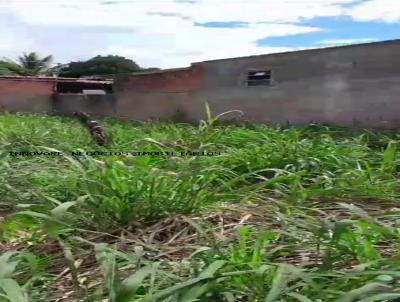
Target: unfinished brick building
347, 85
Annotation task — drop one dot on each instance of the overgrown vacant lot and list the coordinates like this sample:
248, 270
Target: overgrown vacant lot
306, 214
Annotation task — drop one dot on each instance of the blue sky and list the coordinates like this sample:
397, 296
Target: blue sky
168, 33
337, 30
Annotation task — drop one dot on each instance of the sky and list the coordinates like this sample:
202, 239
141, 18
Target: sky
175, 33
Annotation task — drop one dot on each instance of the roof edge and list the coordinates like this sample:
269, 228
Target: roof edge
305, 50
159, 71
52, 79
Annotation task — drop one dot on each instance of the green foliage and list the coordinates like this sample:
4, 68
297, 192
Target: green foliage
11, 265
121, 193
296, 214
8, 68
32, 64
100, 66
29, 64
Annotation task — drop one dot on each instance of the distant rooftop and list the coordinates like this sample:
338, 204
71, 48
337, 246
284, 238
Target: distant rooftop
53, 79
160, 71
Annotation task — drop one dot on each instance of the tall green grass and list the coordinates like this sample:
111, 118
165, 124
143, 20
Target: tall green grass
281, 214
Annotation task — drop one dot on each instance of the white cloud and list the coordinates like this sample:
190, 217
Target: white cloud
144, 13
193, 44
163, 33
168, 60
377, 10
346, 41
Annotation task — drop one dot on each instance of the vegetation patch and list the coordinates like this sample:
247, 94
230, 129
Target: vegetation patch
276, 214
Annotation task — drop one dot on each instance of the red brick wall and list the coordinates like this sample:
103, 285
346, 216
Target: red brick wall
181, 80
25, 87
25, 95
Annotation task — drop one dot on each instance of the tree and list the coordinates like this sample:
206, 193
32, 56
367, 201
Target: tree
8, 68
27, 65
32, 64
101, 66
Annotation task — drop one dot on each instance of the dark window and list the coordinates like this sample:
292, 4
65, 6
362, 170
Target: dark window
259, 78
84, 87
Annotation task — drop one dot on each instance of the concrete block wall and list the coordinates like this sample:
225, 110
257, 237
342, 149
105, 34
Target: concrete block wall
99, 105
352, 85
